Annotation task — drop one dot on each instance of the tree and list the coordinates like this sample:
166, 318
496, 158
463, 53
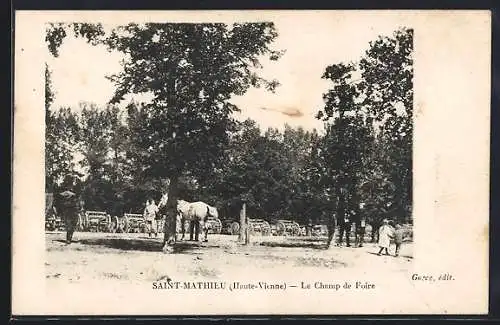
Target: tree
93, 144
388, 83
192, 70
367, 148
236, 179
60, 138
49, 121
304, 200
55, 34
315, 185
345, 142
267, 169
49, 92
61, 124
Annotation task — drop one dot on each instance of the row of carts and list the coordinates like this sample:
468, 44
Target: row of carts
264, 228
98, 221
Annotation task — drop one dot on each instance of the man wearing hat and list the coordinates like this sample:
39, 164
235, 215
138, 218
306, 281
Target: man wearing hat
345, 228
68, 206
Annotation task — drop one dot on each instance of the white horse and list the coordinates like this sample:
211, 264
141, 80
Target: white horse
197, 213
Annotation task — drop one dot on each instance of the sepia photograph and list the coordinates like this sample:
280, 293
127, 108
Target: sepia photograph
239, 164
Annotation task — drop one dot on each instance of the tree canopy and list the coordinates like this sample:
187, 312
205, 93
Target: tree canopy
187, 141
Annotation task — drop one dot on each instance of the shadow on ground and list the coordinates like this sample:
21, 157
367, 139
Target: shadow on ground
144, 244
296, 244
391, 255
308, 239
319, 262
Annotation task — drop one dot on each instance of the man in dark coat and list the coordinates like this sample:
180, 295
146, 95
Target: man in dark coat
68, 207
360, 232
344, 228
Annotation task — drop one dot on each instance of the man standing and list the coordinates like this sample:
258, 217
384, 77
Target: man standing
68, 206
398, 238
309, 228
154, 223
360, 232
158, 221
149, 216
345, 228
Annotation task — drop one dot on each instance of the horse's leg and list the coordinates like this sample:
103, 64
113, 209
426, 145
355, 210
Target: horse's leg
183, 223
206, 232
197, 230
204, 228
176, 227
191, 229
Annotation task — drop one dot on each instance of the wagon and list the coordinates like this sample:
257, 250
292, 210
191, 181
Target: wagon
259, 226
134, 223
320, 230
54, 223
160, 224
231, 227
80, 226
214, 226
52, 220
97, 221
117, 224
287, 227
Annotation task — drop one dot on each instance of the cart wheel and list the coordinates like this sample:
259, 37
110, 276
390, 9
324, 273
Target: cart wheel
235, 228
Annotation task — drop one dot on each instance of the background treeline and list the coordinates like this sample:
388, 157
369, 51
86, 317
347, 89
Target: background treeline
360, 164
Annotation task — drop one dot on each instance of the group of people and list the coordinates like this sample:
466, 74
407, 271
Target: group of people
68, 204
345, 229
386, 233
69, 207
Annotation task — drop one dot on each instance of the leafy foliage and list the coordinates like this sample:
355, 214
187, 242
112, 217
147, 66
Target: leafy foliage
192, 70
56, 33
60, 132
187, 142
61, 127
367, 148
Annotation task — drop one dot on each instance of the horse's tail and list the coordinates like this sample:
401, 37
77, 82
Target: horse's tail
205, 219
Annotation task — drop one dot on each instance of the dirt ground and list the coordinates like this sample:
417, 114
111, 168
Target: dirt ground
138, 258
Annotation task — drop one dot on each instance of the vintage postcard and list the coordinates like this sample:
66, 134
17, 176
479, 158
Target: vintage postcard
251, 162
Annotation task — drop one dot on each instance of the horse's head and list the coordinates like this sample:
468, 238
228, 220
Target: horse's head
182, 206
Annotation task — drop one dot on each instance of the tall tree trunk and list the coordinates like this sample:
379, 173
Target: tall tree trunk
171, 217
335, 218
338, 218
243, 225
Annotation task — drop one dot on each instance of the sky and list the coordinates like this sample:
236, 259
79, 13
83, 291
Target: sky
311, 43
